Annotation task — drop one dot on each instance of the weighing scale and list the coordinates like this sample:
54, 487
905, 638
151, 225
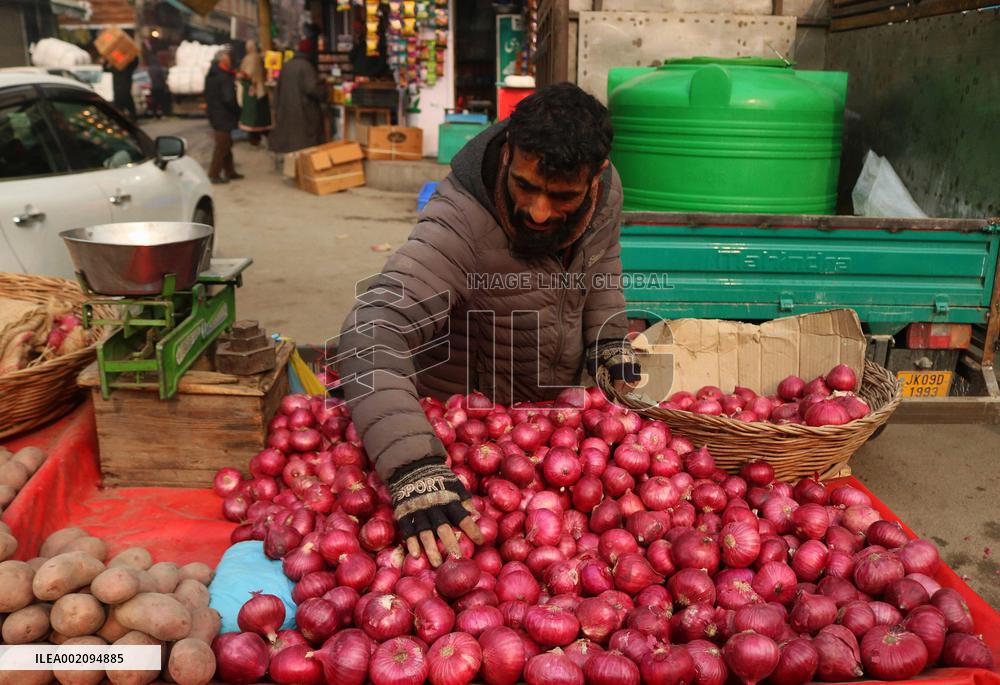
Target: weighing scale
172, 299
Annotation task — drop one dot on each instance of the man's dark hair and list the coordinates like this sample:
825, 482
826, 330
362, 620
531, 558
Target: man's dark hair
565, 127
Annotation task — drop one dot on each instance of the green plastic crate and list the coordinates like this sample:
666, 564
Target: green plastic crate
453, 136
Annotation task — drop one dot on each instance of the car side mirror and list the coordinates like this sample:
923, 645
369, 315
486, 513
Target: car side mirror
168, 148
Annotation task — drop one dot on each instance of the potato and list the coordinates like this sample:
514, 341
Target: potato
5, 455
37, 562
7, 495
205, 624
68, 677
196, 570
75, 615
166, 574
95, 547
31, 458
58, 539
29, 624
4, 528
26, 677
14, 474
112, 630
158, 615
65, 573
134, 677
136, 557
8, 545
115, 585
57, 638
146, 582
192, 594
15, 586
192, 662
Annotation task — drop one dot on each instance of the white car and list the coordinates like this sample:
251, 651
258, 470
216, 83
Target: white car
69, 159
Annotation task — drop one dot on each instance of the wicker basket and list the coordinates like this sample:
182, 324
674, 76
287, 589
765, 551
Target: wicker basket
43, 392
794, 450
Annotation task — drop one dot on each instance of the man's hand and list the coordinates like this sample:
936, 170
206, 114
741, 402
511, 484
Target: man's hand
613, 362
427, 500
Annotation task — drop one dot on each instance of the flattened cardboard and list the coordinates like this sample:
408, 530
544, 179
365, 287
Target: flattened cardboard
686, 354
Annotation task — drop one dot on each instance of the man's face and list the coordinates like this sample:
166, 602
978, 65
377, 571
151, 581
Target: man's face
544, 210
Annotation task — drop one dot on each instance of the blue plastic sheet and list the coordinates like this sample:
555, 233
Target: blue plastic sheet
244, 569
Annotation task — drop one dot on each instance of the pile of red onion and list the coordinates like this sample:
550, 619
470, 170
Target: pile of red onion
824, 401
616, 554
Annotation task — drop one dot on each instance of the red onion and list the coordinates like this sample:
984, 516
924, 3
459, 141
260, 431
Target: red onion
840, 565
892, 653
778, 510
757, 472
812, 612
386, 617
611, 668
791, 388
874, 573
241, 658
751, 656
551, 626
740, 544
692, 586
775, 582
711, 407
838, 589
969, 651
709, 666
235, 507
478, 597
695, 622
709, 497
562, 577
551, 668
457, 577
357, 570
262, 614
888, 534
630, 503
928, 583
228, 480
475, 620
667, 665
317, 619
345, 657
595, 578
610, 430
454, 659
696, 550
345, 599
840, 539
616, 542
433, 618
413, 590
632, 458
649, 620
809, 491
598, 619
857, 616
660, 557
810, 560
518, 585
848, 496
827, 413
659, 494
399, 661
798, 663
929, 624
905, 594
810, 521
581, 651
919, 556
699, 463
839, 654
632, 643
855, 407
955, 610
513, 613
885, 614
503, 656
766, 619
296, 665
632, 573
280, 540
648, 526
842, 377
314, 584
859, 518
561, 467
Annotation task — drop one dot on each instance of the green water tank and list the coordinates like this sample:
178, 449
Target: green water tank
728, 135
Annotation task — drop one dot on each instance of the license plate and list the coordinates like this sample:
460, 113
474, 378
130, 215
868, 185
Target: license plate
925, 383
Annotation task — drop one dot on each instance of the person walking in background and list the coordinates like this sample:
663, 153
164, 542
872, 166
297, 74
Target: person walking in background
121, 85
255, 115
223, 117
299, 116
159, 92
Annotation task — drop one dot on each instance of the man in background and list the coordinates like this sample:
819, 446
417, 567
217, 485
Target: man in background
223, 116
299, 117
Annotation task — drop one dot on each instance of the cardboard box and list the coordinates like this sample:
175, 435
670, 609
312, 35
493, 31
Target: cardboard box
395, 143
117, 47
330, 167
686, 354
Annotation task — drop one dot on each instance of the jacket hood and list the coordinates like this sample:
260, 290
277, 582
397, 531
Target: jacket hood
467, 169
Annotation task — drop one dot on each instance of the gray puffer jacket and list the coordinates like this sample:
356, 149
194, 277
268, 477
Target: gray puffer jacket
454, 311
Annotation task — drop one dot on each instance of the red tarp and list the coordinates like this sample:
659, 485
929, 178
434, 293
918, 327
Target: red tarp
175, 524
184, 525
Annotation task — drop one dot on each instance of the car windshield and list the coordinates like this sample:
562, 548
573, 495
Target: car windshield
88, 75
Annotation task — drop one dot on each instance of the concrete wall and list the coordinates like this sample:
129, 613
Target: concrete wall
926, 94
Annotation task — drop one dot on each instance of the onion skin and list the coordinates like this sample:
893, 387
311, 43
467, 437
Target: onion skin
839, 654
892, 653
751, 656
798, 663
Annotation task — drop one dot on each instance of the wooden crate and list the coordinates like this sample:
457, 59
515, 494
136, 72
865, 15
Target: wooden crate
214, 420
